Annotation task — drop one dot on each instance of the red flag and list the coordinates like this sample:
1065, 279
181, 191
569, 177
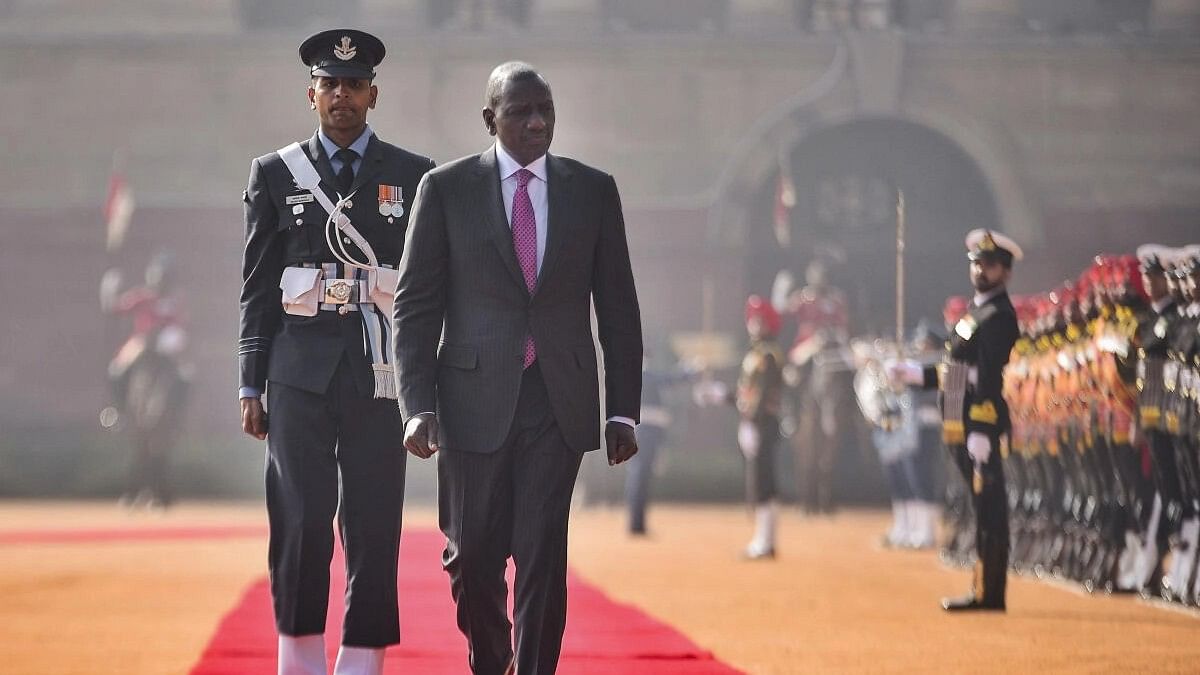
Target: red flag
118, 209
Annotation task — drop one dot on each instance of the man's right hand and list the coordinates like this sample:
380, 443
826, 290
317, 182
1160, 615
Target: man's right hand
254, 420
420, 435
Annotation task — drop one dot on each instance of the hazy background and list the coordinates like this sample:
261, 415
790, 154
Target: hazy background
1072, 125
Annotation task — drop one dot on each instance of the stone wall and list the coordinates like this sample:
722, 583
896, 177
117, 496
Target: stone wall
1087, 142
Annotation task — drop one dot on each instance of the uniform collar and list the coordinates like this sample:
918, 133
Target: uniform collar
509, 166
982, 299
359, 145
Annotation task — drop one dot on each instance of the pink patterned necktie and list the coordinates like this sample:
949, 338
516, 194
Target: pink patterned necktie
524, 231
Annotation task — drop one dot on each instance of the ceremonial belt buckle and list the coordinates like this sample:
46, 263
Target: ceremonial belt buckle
338, 291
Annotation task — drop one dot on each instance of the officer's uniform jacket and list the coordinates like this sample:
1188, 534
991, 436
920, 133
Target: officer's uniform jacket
760, 385
283, 230
1185, 350
1156, 328
1176, 373
982, 340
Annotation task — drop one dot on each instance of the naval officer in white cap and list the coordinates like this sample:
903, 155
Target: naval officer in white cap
975, 421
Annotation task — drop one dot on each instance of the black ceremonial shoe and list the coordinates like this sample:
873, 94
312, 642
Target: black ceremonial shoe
968, 604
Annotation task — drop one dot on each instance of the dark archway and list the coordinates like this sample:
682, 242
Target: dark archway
845, 178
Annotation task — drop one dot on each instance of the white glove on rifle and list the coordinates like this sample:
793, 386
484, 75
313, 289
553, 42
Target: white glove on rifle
979, 447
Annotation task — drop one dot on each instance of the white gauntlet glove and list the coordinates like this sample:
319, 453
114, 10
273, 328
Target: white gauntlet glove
979, 447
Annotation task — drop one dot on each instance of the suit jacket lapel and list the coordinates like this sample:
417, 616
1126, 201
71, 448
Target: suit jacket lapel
317, 154
558, 181
372, 164
487, 176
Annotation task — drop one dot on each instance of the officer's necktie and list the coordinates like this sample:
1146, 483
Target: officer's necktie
524, 232
345, 177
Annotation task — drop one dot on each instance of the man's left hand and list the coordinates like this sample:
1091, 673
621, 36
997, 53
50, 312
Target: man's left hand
621, 441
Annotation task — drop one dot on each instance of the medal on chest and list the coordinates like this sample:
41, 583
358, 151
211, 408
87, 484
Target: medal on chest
391, 201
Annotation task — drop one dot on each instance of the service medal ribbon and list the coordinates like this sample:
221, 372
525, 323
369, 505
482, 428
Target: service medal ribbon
391, 200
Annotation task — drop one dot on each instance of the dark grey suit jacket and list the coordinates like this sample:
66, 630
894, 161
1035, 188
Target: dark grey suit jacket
460, 281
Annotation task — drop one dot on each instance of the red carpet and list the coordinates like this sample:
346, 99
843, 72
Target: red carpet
603, 637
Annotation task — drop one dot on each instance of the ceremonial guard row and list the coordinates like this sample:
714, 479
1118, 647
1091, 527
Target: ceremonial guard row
1103, 469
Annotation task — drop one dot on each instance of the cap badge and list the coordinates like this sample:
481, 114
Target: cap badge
987, 243
345, 51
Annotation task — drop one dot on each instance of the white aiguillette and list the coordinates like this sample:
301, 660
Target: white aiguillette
299, 199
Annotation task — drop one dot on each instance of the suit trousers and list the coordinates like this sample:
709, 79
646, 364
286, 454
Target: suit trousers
990, 500
339, 452
514, 502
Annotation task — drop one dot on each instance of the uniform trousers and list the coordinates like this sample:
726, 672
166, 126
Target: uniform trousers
761, 484
338, 452
513, 502
639, 474
1165, 470
989, 496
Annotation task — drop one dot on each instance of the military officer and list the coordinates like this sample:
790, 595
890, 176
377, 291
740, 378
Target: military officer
819, 311
325, 224
1156, 328
1178, 420
1190, 390
975, 419
759, 400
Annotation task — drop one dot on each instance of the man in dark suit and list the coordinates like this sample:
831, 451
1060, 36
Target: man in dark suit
315, 324
975, 420
506, 252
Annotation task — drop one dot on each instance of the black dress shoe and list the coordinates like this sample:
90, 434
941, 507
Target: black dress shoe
969, 604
